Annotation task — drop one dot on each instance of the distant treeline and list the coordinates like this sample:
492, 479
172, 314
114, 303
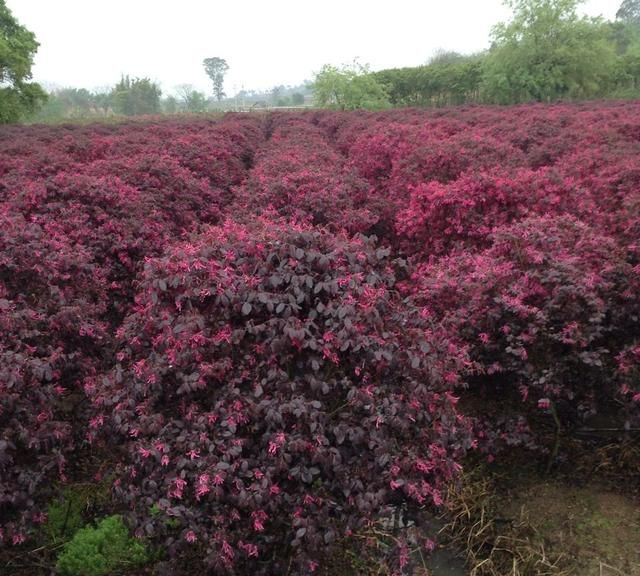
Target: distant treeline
441, 84
546, 53
464, 83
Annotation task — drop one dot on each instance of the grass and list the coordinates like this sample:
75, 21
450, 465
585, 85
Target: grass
531, 524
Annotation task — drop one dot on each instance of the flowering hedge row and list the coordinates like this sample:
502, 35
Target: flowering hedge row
80, 210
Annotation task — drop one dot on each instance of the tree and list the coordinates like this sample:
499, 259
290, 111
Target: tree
276, 95
444, 57
103, 100
170, 105
438, 84
216, 68
18, 46
348, 88
629, 12
547, 53
297, 99
137, 96
192, 100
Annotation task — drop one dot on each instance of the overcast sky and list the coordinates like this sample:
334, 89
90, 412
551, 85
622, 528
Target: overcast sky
90, 43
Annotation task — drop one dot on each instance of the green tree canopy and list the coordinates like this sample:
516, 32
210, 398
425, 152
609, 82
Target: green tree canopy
136, 96
547, 52
629, 12
18, 46
216, 68
442, 83
348, 88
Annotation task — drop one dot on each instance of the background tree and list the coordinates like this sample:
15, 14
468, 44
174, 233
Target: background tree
192, 100
442, 56
446, 81
277, 98
629, 12
348, 88
79, 100
297, 99
216, 68
67, 103
136, 97
547, 52
103, 100
170, 105
625, 31
18, 46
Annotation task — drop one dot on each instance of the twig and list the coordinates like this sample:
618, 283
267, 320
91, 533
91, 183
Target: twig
556, 444
603, 565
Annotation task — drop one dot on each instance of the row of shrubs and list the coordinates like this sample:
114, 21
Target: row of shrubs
257, 330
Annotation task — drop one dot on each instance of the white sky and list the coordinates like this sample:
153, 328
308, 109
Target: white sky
90, 43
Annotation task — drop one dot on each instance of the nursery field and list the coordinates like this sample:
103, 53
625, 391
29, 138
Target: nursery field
268, 343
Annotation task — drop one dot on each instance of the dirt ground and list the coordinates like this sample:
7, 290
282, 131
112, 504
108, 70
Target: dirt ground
594, 532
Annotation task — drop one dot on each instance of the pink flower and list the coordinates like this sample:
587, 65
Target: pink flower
190, 537
450, 377
18, 539
423, 466
275, 445
259, 517
544, 403
250, 549
227, 550
96, 422
179, 485
202, 487
404, 556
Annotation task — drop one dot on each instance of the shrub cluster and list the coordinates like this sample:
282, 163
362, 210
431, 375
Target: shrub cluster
263, 323
279, 394
80, 210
